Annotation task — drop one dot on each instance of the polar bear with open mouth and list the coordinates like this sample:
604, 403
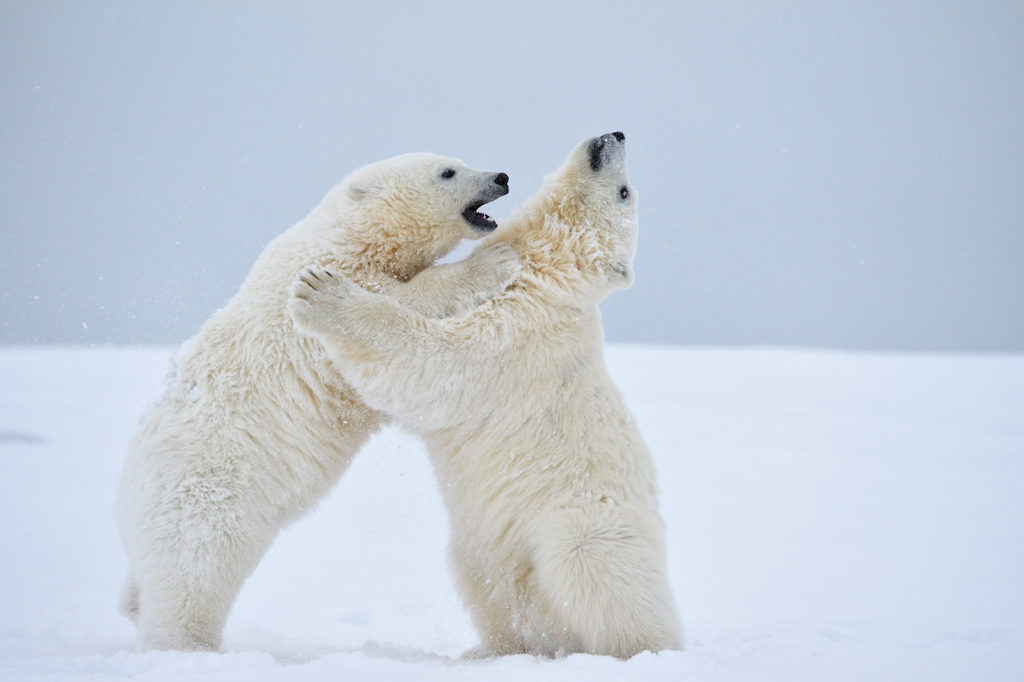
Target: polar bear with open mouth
256, 425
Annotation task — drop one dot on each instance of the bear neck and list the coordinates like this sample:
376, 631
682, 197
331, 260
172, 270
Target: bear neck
557, 251
396, 251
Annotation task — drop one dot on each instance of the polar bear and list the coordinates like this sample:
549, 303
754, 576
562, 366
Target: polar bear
557, 543
255, 424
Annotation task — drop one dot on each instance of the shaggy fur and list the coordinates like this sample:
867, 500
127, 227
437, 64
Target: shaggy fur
256, 425
557, 543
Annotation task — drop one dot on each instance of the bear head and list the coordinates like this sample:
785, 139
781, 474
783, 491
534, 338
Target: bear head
581, 227
405, 212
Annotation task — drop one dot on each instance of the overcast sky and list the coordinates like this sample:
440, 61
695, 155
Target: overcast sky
845, 174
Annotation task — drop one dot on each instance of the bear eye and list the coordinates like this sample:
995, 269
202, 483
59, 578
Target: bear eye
624, 192
448, 173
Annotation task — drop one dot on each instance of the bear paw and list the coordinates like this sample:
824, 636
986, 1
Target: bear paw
503, 262
493, 269
315, 297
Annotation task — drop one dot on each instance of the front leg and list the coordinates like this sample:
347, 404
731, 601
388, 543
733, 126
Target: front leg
392, 356
455, 288
337, 310
315, 294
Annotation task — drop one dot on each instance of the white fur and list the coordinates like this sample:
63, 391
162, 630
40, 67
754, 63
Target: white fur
557, 543
256, 425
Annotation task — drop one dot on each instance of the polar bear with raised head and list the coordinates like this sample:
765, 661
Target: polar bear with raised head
255, 424
557, 542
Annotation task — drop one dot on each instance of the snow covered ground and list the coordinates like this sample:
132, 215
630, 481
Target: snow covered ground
830, 517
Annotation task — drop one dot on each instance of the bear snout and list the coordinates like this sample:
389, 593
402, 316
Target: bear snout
596, 147
600, 148
501, 180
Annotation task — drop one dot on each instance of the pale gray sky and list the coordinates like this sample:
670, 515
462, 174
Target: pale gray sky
811, 173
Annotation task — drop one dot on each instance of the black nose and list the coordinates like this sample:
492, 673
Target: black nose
501, 179
619, 135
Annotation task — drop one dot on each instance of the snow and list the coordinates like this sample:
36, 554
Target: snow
830, 516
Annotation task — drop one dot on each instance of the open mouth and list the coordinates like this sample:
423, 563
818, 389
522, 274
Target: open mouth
480, 221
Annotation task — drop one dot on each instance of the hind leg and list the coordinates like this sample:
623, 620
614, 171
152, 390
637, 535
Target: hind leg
489, 597
130, 599
188, 587
192, 549
600, 583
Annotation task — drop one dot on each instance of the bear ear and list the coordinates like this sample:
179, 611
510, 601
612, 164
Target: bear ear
357, 190
619, 274
360, 188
